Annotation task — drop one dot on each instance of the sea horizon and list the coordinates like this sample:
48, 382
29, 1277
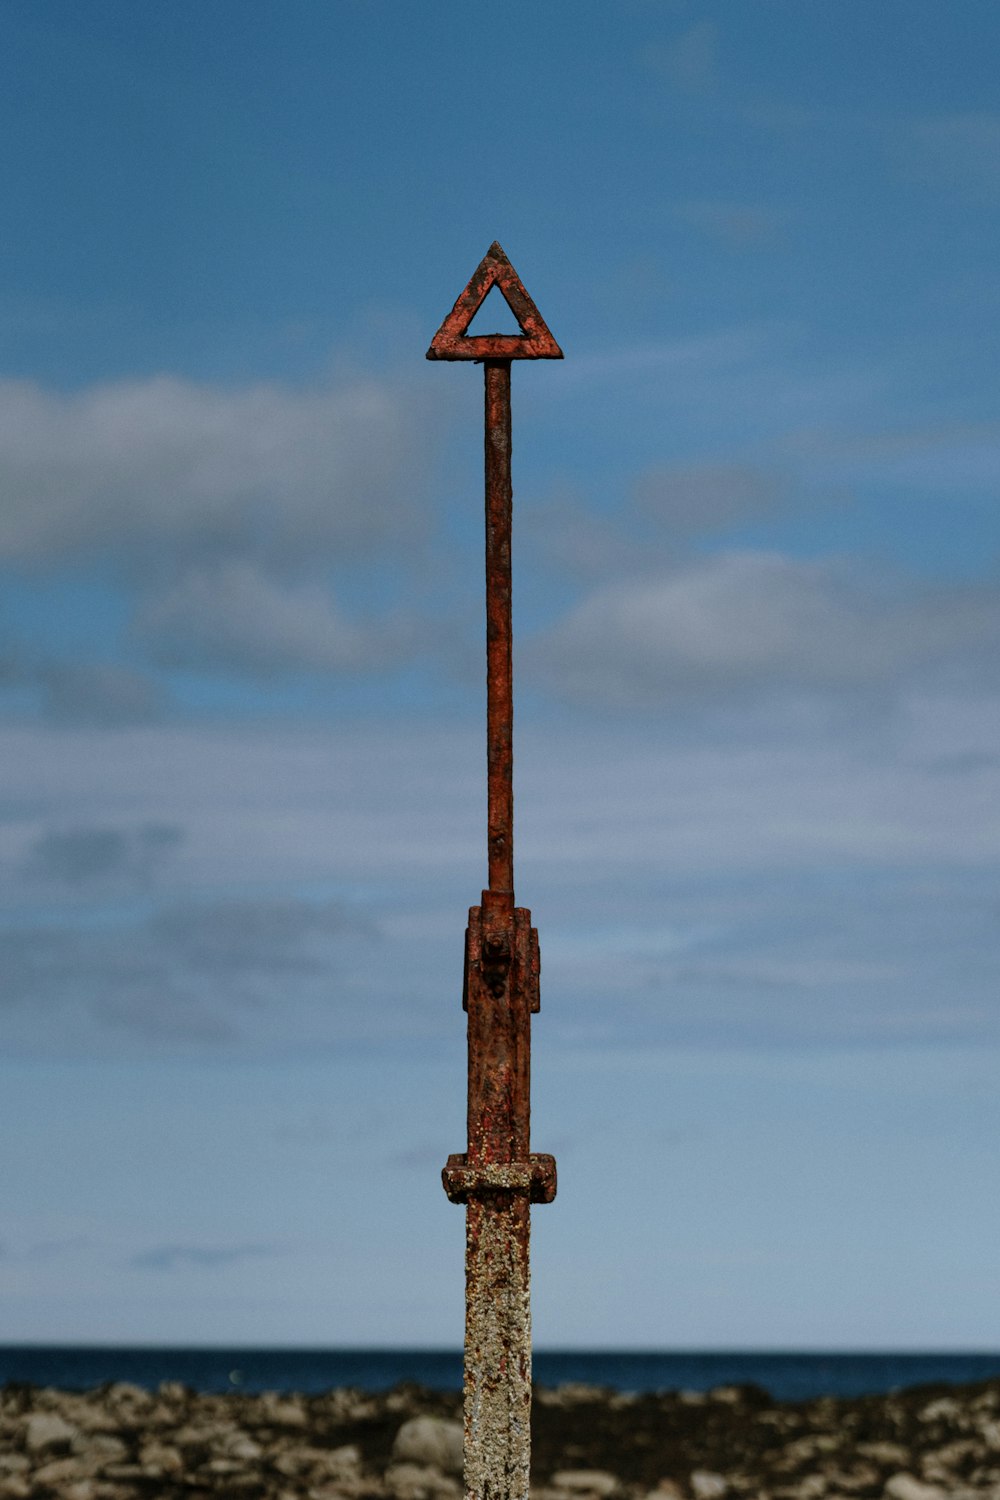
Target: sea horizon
785, 1374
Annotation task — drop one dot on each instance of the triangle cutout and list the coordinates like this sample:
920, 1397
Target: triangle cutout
533, 342
494, 316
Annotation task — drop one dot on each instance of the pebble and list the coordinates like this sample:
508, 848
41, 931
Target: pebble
163, 1458
944, 1409
58, 1472
241, 1445
581, 1482
903, 1486
890, 1455
279, 1413
78, 1489
706, 1485
409, 1481
47, 1430
430, 1440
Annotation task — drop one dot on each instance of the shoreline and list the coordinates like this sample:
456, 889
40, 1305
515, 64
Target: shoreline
121, 1442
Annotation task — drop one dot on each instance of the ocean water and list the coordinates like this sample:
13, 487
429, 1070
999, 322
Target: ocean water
788, 1377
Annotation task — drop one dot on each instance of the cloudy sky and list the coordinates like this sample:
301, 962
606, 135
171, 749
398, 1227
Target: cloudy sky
757, 607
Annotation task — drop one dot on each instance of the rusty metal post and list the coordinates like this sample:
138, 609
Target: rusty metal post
499, 629
497, 1177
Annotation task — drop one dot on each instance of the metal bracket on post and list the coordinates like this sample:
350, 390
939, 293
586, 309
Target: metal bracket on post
498, 1177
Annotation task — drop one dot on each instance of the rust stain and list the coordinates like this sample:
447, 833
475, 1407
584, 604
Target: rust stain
533, 342
498, 1177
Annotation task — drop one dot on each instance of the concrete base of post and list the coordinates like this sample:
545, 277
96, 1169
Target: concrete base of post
497, 1347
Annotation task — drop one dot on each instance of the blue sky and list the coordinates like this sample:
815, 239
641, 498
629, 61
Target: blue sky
757, 611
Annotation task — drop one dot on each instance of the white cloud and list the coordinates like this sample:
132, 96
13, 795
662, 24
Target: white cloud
163, 468
95, 692
796, 888
221, 512
178, 974
234, 617
758, 619
81, 856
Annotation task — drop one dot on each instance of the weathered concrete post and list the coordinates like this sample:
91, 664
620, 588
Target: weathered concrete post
498, 1176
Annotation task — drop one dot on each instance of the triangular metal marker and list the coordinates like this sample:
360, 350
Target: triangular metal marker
533, 342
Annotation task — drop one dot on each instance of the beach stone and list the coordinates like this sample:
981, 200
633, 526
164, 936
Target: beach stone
889, 1455
805, 1450
58, 1472
707, 1485
944, 1409
584, 1482
811, 1487
241, 1445
124, 1393
164, 1458
195, 1443
14, 1487
340, 1464
93, 1418
47, 1430
346, 1457
666, 1489
276, 1412
940, 1465
78, 1489
225, 1466
291, 1462
840, 1483
903, 1486
861, 1476
362, 1410
101, 1447
434, 1441
409, 1481
576, 1392
571, 1393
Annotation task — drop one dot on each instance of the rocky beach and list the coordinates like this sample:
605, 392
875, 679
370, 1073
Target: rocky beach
120, 1442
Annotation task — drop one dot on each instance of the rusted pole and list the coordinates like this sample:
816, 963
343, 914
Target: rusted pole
497, 1177
499, 664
